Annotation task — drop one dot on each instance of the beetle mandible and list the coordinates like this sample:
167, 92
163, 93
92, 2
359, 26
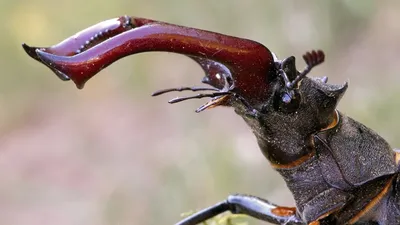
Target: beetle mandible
293, 117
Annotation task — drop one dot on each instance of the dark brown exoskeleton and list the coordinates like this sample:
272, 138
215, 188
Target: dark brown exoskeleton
338, 170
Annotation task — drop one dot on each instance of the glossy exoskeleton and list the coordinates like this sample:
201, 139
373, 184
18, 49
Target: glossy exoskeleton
338, 170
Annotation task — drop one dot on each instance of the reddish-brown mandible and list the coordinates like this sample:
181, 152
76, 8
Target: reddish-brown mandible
81, 56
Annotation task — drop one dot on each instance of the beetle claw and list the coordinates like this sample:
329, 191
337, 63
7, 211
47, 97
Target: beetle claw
37, 54
31, 51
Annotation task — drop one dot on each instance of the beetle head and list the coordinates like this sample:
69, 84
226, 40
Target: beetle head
281, 87
292, 104
291, 109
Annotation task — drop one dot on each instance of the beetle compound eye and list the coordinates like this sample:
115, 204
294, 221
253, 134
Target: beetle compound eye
286, 98
287, 102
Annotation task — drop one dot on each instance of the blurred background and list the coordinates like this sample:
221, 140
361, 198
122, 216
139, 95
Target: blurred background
112, 155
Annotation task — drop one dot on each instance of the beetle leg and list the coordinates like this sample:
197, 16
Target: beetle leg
249, 205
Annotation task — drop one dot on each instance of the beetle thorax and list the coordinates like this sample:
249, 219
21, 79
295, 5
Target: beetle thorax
284, 136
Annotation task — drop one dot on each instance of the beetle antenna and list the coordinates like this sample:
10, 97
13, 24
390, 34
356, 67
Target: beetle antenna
160, 92
312, 59
215, 94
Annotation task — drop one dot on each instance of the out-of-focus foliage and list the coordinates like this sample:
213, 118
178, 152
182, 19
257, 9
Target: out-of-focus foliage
111, 154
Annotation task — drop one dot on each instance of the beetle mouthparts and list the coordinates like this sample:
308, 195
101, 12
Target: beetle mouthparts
219, 97
217, 101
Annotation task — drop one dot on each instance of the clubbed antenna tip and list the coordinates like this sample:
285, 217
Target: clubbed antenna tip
312, 59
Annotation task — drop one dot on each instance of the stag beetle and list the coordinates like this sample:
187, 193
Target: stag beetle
293, 117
